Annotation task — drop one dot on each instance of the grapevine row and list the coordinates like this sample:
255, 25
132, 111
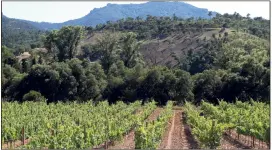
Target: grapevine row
148, 134
207, 131
250, 119
70, 125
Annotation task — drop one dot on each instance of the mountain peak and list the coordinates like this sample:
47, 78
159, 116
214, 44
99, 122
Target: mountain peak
110, 4
114, 12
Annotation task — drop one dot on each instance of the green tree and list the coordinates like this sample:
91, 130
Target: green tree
106, 50
68, 85
130, 50
33, 96
183, 89
50, 43
248, 15
7, 56
9, 72
163, 84
123, 82
90, 79
41, 78
65, 40
208, 85
10, 88
25, 65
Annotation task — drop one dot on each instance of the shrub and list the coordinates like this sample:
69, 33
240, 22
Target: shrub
33, 96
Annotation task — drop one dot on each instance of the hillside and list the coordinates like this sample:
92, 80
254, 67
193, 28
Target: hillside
149, 25
165, 37
138, 58
161, 51
17, 33
114, 12
154, 82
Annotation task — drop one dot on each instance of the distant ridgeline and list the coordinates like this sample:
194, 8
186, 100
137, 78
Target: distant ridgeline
114, 12
157, 50
159, 17
18, 33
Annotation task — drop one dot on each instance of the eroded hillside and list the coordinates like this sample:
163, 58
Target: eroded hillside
161, 51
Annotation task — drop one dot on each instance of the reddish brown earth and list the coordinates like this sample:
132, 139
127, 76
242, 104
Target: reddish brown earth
110, 144
126, 143
172, 138
178, 134
129, 140
15, 144
167, 133
229, 143
154, 114
176, 141
188, 141
231, 140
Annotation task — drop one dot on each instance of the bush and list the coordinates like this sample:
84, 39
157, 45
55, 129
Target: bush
34, 96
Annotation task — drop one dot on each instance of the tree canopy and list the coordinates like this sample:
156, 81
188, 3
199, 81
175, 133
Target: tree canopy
227, 66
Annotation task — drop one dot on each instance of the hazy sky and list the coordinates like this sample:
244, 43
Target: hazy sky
62, 11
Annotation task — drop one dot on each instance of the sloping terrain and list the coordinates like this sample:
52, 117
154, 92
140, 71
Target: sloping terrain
16, 32
10, 23
160, 51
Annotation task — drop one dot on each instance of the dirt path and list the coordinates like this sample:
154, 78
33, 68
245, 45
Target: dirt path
170, 135
167, 136
129, 142
188, 141
176, 136
176, 140
154, 114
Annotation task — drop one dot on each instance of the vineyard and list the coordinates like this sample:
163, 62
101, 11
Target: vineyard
209, 122
128, 126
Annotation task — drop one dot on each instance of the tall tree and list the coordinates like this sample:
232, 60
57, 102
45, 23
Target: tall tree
130, 50
68, 40
106, 50
25, 65
248, 15
50, 43
65, 40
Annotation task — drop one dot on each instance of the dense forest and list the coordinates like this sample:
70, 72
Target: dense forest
20, 35
61, 65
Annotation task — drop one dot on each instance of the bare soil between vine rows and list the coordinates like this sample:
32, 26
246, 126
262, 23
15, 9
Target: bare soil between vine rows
14, 144
177, 135
231, 141
129, 140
